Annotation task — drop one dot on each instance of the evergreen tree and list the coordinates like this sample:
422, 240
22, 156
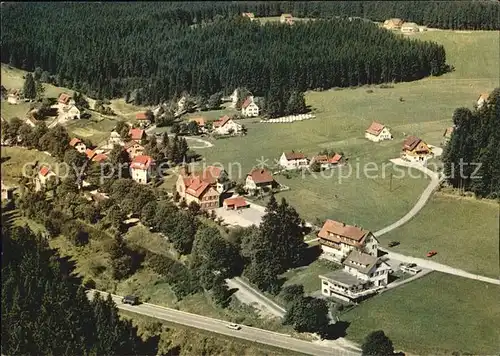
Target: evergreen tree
377, 344
29, 88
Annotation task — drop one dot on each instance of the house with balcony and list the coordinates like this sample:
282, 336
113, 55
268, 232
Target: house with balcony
338, 240
361, 275
415, 150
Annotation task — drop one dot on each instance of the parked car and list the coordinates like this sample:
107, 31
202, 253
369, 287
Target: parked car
409, 268
130, 299
393, 243
431, 253
234, 326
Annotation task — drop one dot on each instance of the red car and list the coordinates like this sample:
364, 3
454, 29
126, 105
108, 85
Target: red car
431, 253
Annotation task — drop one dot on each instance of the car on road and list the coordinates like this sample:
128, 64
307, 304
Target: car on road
393, 243
130, 299
431, 253
409, 268
234, 326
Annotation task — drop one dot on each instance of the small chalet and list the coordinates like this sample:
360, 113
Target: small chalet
393, 24
141, 168
78, 145
447, 134
362, 275
259, 179
235, 203
226, 126
378, 132
415, 150
326, 162
134, 149
249, 108
44, 174
250, 15
137, 134
338, 240
293, 160
482, 100
286, 18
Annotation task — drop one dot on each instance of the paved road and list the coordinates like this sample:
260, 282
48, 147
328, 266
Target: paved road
261, 336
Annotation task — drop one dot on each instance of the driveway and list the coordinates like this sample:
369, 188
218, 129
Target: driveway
244, 217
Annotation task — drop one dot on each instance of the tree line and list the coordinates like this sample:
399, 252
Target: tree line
472, 156
109, 50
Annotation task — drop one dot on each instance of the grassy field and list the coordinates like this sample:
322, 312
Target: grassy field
437, 314
308, 276
464, 231
15, 158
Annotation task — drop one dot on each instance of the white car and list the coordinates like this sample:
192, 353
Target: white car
234, 326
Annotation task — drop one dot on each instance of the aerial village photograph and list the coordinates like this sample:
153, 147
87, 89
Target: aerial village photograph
258, 178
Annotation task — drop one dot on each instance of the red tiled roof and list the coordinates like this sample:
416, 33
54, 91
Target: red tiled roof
337, 228
136, 134
411, 142
237, 202
99, 157
197, 187
335, 159
260, 176
247, 102
320, 159
211, 174
375, 128
199, 120
90, 153
141, 162
294, 156
141, 116
222, 121
74, 141
44, 171
64, 98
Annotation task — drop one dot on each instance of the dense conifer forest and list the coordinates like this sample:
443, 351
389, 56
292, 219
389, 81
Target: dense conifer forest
476, 142
106, 50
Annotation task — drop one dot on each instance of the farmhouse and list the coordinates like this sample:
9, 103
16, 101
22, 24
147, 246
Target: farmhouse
378, 132
362, 275
250, 15
326, 162
415, 150
409, 27
141, 169
338, 240
447, 135
482, 100
293, 160
44, 174
133, 149
226, 126
143, 118
286, 18
78, 145
249, 108
65, 99
137, 134
235, 203
393, 24
259, 179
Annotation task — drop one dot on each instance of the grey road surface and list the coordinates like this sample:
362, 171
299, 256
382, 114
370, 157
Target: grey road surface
220, 327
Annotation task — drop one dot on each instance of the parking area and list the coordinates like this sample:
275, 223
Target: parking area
242, 217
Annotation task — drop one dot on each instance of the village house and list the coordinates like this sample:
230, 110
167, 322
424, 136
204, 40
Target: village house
337, 240
249, 108
293, 160
70, 112
44, 174
216, 177
65, 99
409, 27
31, 121
447, 135
90, 153
141, 169
235, 203
137, 134
259, 179
78, 145
286, 18
133, 149
415, 150
326, 162
143, 118
393, 24
250, 15
99, 157
482, 100
226, 126
201, 123
378, 132
362, 275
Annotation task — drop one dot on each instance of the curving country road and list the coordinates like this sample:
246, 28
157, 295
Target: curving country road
248, 333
